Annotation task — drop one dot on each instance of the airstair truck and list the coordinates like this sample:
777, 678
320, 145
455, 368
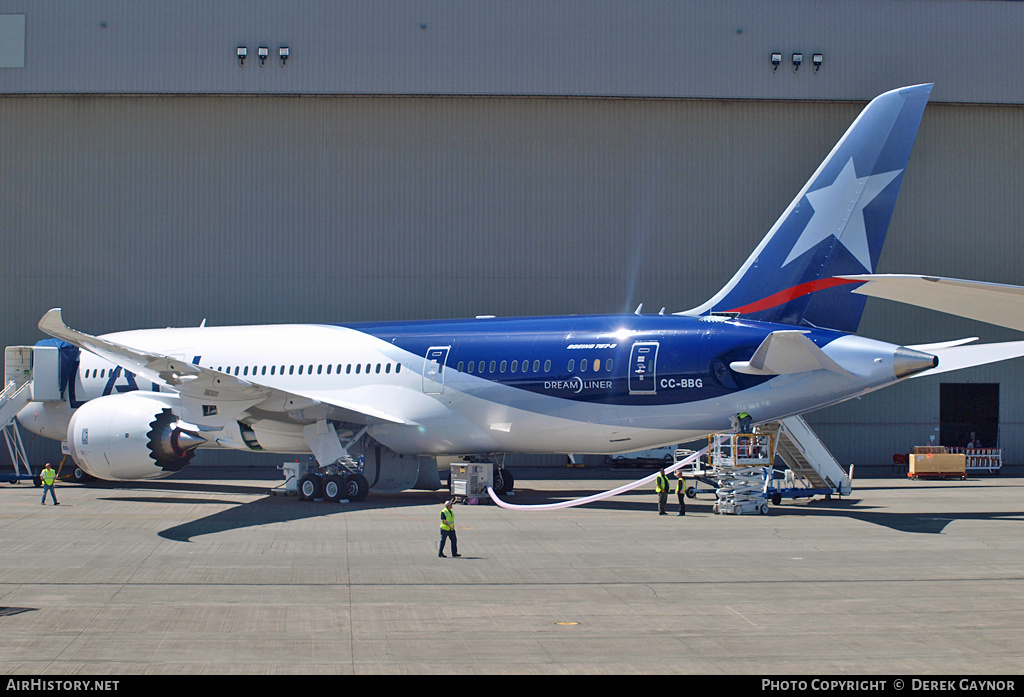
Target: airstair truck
39, 373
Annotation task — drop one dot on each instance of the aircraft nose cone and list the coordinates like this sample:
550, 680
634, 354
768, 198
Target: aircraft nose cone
907, 362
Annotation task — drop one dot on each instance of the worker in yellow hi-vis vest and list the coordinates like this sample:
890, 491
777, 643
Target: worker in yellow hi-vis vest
49, 477
448, 530
681, 493
661, 486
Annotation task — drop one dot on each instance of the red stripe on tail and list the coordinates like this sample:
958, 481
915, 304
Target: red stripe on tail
784, 296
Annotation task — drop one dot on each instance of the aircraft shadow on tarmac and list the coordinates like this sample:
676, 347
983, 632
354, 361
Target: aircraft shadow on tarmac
918, 522
852, 508
283, 509
9, 611
171, 486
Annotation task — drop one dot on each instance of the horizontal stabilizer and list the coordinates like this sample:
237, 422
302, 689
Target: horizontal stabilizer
957, 357
787, 352
931, 348
993, 303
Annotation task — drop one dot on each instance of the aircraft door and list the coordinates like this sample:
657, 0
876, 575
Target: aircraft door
643, 368
433, 369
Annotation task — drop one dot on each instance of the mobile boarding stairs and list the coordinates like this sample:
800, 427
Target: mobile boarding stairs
740, 467
17, 392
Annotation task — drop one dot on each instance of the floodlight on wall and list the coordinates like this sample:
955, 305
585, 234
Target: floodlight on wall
263, 52
241, 52
284, 52
776, 59
798, 58
817, 59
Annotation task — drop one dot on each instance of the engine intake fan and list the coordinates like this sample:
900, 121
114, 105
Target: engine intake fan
172, 447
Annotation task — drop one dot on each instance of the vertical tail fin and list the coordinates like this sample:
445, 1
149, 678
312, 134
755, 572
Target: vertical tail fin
836, 225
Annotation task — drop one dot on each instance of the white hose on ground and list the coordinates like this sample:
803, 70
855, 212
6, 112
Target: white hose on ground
595, 497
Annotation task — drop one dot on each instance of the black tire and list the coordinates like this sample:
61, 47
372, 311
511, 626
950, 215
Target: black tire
776, 499
37, 481
310, 487
357, 487
334, 488
691, 492
503, 481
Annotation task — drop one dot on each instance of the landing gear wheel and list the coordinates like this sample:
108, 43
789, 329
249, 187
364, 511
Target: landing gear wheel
310, 487
334, 487
356, 487
503, 481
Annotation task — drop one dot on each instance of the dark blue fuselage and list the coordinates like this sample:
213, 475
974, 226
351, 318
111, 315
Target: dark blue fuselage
626, 360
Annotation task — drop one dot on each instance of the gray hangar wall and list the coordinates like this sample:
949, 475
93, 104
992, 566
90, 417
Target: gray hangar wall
418, 159
154, 211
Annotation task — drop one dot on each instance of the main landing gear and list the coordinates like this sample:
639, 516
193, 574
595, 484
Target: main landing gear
343, 478
333, 486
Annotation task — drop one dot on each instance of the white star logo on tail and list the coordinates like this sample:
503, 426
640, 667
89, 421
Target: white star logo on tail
839, 212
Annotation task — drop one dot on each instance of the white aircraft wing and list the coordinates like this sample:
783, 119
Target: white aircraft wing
204, 384
994, 303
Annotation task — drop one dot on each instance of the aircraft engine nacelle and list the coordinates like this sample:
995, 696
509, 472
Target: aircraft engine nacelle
130, 436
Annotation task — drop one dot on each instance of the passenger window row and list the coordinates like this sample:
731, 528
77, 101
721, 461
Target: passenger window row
320, 369
515, 366
482, 367
586, 365
478, 367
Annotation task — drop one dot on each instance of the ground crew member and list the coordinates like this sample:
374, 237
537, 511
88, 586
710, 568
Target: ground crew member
743, 420
448, 530
49, 476
661, 486
681, 493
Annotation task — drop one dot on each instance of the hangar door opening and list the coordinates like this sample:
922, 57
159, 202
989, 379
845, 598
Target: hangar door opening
968, 408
